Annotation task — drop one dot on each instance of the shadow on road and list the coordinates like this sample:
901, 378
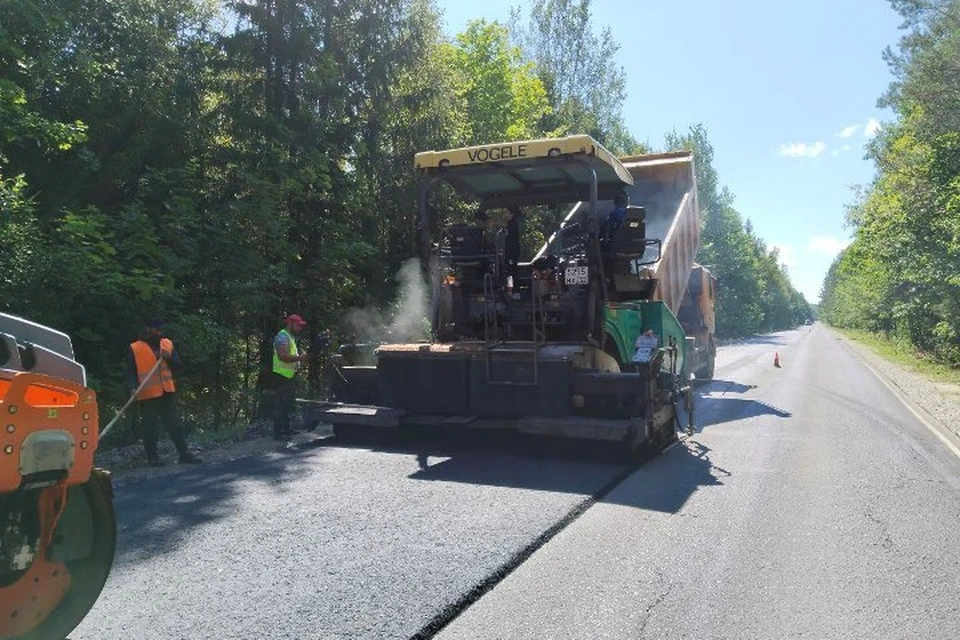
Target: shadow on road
662, 483
156, 514
510, 468
717, 410
667, 482
430, 442
716, 404
497, 457
722, 386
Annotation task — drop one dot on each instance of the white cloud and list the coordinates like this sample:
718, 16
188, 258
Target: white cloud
828, 245
787, 254
802, 150
849, 132
836, 153
871, 128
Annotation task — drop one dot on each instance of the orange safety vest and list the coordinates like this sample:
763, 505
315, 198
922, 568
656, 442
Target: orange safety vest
162, 379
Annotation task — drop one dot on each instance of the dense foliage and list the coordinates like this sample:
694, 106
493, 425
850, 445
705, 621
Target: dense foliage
220, 163
901, 274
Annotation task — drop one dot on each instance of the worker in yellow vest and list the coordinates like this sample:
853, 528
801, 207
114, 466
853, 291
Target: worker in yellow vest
157, 399
286, 362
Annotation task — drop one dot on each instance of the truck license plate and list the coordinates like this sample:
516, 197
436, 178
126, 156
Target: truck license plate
577, 275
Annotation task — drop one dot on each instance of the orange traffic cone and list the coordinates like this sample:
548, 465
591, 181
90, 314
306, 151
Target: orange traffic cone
776, 360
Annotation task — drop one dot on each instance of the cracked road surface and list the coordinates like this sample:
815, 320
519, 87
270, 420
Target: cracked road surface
809, 503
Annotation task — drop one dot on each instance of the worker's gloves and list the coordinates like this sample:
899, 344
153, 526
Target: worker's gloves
166, 348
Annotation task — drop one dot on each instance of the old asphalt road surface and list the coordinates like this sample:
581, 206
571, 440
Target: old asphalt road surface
811, 502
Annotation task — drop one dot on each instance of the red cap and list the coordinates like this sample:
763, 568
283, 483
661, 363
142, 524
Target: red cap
295, 319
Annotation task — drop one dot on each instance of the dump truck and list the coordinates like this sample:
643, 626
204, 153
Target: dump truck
698, 318
57, 524
596, 337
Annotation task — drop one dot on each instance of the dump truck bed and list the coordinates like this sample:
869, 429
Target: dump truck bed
665, 184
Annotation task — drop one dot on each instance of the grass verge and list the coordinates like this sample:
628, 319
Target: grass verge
903, 354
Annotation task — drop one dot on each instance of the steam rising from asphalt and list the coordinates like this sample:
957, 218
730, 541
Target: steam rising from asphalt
405, 320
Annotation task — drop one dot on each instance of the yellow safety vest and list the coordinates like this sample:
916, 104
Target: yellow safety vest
285, 369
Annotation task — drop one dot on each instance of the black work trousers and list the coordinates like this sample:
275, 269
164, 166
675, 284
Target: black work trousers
156, 412
284, 402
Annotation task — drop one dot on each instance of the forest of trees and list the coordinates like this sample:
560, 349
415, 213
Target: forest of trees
220, 163
900, 277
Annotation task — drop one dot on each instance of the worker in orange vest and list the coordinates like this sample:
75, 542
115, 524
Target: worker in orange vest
158, 397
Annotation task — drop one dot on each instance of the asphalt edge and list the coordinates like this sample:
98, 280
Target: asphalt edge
937, 428
453, 610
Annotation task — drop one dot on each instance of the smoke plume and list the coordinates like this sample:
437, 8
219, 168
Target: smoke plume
404, 320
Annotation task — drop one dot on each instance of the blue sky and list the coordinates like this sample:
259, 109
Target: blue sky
787, 91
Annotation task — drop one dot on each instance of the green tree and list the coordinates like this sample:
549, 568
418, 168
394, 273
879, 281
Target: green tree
899, 275
577, 65
505, 100
423, 106
116, 218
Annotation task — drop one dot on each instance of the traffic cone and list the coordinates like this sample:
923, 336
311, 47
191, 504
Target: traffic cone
776, 360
